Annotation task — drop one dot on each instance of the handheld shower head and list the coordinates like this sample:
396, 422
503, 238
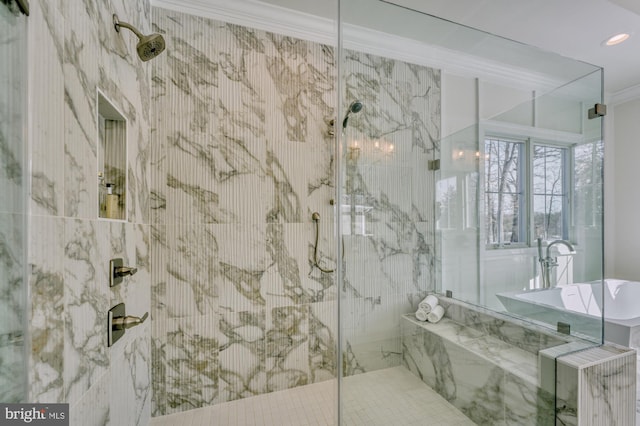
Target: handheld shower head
354, 108
149, 46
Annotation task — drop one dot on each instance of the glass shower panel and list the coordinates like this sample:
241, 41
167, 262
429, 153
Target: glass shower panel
561, 182
386, 205
438, 173
12, 206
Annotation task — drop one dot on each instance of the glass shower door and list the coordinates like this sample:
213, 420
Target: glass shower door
440, 123
389, 136
12, 204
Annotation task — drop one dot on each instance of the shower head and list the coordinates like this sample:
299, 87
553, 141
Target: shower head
149, 46
354, 108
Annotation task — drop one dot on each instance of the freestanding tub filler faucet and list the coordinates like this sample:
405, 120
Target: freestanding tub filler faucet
548, 262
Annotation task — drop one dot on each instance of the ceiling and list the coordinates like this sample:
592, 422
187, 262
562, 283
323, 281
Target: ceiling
572, 28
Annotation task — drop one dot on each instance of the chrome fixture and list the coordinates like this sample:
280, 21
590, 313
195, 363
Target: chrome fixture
123, 323
118, 271
354, 108
332, 128
316, 218
149, 46
118, 322
548, 262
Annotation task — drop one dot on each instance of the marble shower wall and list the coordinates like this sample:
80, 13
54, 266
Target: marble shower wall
241, 158
387, 209
74, 51
12, 206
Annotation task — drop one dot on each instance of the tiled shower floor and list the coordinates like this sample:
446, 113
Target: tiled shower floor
392, 396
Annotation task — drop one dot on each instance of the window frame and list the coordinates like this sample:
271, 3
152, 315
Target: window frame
527, 219
524, 187
567, 187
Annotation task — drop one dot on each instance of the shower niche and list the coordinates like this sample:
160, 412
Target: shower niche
112, 161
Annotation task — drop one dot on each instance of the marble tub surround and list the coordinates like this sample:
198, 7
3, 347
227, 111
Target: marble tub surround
73, 51
476, 366
525, 334
241, 158
489, 380
387, 206
597, 386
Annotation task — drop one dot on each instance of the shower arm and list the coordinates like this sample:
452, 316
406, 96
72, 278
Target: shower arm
117, 24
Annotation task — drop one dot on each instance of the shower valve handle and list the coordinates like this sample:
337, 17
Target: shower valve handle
118, 271
123, 323
123, 271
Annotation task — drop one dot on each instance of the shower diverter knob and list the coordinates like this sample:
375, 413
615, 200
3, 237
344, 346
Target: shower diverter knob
118, 271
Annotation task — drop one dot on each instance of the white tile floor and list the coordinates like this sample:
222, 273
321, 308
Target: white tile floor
387, 397
394, 396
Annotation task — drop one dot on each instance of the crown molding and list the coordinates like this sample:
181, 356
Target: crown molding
280, 20
625, 95
259, 15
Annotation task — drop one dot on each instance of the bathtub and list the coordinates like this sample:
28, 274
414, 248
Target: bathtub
581, 306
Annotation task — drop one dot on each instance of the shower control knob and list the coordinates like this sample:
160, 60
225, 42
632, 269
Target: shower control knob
118, 322
123, 323
119, 271
123, 271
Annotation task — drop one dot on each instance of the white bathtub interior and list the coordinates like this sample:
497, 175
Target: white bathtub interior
581, 305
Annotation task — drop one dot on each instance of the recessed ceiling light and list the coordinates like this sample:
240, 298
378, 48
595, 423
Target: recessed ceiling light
616, 39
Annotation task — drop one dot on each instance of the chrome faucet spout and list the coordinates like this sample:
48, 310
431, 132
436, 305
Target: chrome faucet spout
548, 262
564, 243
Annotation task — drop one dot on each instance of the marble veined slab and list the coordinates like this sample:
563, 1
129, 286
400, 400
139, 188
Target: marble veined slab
488, 379
519, 362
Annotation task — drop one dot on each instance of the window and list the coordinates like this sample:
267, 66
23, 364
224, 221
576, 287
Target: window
525, 182
587, 169
550, 196
504, 191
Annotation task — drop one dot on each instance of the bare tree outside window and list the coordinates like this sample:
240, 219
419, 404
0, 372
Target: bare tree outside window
447, 202
588, 160
504, 191
550, 198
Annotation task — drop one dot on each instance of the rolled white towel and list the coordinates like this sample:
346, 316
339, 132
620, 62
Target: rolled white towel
421, 315
436, 314
428, 303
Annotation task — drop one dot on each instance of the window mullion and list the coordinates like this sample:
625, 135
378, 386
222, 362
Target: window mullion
529, 192
567, 168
